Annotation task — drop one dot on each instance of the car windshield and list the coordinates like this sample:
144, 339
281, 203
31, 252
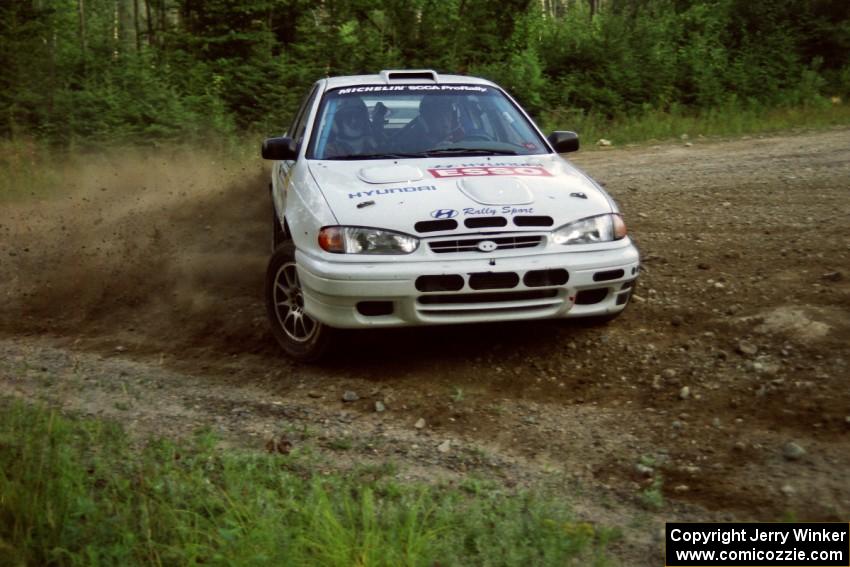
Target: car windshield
409, 121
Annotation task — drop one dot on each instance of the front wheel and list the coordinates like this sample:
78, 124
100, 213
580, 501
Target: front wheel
302, 337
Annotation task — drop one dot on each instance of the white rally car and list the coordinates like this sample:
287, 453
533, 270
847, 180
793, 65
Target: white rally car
414, 198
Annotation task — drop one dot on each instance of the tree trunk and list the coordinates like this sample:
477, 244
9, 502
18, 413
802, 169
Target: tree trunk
81, 7
163, 24
136, 25
125, 13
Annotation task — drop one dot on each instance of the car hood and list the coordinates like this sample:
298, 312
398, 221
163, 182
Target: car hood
398, 194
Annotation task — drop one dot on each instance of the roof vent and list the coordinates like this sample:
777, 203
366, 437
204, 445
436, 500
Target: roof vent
412, 75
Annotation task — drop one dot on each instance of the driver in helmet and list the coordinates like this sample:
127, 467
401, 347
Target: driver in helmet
439, 118
436, 124
351, 131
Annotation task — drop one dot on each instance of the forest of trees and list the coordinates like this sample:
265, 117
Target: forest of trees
76, 72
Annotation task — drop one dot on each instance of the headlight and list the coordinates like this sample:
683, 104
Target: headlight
603, 228
359, 240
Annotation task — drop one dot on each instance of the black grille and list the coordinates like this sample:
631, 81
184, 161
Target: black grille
533, 221
493, 280
458, 298
435, 225
541, 278
609, 275
483, 222
450, 282
591, 296
471, 244
375, 308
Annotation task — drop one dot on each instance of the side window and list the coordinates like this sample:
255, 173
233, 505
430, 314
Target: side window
300, 123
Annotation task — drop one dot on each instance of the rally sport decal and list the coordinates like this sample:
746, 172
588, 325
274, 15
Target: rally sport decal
526, 170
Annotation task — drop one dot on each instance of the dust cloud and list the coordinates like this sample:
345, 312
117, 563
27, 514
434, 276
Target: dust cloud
167, 245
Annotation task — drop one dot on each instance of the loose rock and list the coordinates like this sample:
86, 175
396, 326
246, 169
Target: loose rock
380, 407
445, 446
644, 470
792, 451
684, 393
420, 423
747, 348
350, 396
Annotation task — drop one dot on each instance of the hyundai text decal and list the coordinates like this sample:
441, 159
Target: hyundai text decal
377, 192
528, 170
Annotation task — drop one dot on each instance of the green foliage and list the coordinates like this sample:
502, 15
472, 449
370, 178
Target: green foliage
78, 492
731, 118
195, 70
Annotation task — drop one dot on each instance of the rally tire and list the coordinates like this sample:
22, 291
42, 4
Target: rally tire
299, 335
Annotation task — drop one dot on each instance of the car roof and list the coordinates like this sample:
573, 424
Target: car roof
404, 77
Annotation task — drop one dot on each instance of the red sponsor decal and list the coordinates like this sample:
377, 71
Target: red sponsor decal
527, 170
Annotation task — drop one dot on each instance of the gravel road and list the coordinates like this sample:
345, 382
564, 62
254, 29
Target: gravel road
132, 291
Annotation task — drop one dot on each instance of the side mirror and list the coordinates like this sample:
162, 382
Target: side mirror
564, 141
280, 149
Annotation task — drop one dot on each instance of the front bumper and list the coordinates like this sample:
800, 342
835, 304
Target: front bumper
385, 294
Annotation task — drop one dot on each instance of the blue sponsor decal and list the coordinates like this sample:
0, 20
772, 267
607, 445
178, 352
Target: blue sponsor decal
444, 214
491, 211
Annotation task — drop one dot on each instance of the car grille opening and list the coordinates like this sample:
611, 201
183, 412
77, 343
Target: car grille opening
471, 244
541, 278
435, 225
608, 275
375, 308
472, 298
449, 282
533, 221
493, 280
591, 296
483, 222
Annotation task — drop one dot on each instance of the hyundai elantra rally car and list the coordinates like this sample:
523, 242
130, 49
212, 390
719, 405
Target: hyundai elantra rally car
415, 198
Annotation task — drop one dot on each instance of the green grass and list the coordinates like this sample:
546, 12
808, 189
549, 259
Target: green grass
734, 119
78, 492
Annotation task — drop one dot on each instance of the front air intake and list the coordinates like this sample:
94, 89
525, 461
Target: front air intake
447, 282
493, 280
435, 225
485, 222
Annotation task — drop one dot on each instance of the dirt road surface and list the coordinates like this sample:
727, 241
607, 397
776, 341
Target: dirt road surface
132, 291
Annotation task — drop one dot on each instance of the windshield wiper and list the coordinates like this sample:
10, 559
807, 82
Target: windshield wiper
378, 156
469, 151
